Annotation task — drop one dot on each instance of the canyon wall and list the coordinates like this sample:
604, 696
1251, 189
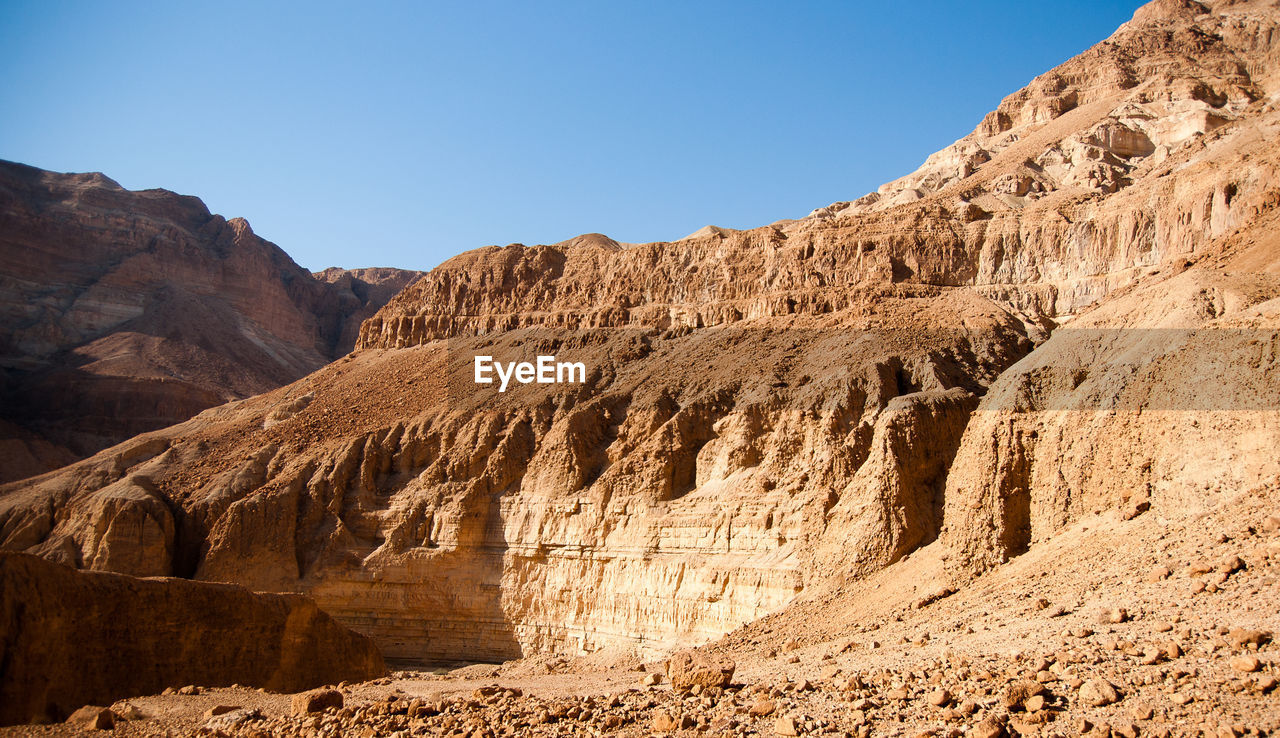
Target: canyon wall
1017, 335
72, 638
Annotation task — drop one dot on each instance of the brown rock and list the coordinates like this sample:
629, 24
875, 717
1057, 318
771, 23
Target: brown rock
687, 669
663, 722
228, 722
92, 717
1115, 615
786, 726
220, 710
1229, 564
162, 310
739, 431
1098, 692
1241, 637
762, 707
1020, 691
989, 727
1246, 664
316, 700
92, 636
939, 698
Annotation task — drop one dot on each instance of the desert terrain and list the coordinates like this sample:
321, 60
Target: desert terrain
989, 451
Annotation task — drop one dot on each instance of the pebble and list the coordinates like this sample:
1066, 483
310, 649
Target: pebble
1247, 664
1098, 692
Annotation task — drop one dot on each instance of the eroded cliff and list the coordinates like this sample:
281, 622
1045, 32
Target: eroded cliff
1058, 314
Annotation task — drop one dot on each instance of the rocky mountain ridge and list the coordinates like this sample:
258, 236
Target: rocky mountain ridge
126, 311
1059, 196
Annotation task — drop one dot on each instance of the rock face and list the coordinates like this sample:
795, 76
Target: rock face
1071, 309
123, 312
73, 638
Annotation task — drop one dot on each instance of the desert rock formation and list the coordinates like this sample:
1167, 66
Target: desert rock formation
1071, 312
72, 638
122, 312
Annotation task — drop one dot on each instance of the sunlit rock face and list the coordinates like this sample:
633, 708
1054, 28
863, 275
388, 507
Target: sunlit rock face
769, 413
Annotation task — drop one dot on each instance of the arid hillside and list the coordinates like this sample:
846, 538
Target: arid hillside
122, 312
1036, 369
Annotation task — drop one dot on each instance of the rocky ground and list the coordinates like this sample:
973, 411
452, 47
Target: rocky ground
1138, 626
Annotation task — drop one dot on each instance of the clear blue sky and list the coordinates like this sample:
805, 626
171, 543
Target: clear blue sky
399, 134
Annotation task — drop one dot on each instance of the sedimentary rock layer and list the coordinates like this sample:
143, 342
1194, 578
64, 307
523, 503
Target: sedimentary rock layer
72, 638
1022, 339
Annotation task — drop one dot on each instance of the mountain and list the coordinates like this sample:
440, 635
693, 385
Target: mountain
1032, 383
122, 312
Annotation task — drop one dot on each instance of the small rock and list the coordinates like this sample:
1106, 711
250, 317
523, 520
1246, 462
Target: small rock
1142, 711
227, 722
763, 707
217, 710
1098, 692
1034, 704
190, 689
1247, 664
939, 698
786, 726
1020, 691
1124, 729
92, 717
1198, 568
1116, 615
663, 722
990, 727
651, 680
1160, 573
1135, 509
317, 700
1241, 637
1229, 564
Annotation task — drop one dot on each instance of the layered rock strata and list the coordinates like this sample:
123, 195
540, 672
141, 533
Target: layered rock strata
72, 638
768, 414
